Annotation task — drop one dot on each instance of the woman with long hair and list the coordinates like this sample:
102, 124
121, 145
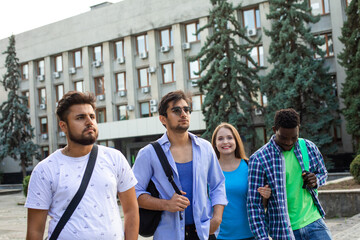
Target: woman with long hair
230, 151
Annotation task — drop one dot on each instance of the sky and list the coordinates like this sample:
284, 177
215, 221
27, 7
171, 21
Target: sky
19, 16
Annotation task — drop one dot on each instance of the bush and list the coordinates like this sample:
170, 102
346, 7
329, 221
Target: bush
355, 168
26, 185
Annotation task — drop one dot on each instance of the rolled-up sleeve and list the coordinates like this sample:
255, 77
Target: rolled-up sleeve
143, 171
216, 182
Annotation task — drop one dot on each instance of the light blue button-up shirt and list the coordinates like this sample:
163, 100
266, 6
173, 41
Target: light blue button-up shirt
206, 174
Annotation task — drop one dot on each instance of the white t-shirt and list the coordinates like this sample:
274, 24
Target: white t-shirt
56, 179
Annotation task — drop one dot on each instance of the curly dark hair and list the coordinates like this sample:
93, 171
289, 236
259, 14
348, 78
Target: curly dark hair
286, 118
73, 98
169, 97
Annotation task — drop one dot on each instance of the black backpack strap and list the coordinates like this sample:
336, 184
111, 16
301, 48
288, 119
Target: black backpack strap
79, 194
165, 164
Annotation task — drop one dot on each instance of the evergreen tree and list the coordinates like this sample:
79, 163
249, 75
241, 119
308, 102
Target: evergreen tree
230, 85
16, 132
298, 79
350, 60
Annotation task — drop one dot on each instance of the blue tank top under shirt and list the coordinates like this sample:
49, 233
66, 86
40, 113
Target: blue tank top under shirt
235, 223
185, 171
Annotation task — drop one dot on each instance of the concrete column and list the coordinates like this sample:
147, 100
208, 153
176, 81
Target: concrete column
33, 100
50, 106
86, 57
153, 62
181, 74
66, 76
264, 9
108, 82
131, 76
337, 22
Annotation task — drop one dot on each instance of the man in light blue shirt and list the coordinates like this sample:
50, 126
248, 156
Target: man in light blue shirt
197, 213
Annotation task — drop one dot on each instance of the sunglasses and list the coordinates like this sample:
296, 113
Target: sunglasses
178, 110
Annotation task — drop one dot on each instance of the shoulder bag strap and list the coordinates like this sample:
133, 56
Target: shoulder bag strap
165, 164
304, 153
79, 194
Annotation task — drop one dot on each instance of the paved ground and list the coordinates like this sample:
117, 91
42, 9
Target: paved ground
13, 221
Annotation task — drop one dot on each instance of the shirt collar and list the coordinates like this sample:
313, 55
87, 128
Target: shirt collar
164, 140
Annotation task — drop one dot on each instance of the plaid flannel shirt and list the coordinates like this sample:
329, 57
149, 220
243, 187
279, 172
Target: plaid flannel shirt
267, 166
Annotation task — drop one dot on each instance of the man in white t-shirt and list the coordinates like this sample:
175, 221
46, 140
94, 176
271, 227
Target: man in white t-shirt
56, 179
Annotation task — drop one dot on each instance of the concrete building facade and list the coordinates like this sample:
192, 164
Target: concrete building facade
132, 53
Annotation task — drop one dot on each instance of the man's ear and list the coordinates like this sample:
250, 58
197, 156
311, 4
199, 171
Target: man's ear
162, 120
63, 126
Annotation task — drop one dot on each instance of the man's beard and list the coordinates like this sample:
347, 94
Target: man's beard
83, 140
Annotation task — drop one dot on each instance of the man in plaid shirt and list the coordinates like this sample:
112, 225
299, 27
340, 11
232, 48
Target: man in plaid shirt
294, 210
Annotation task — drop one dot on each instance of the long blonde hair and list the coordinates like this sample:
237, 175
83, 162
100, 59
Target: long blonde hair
239, 150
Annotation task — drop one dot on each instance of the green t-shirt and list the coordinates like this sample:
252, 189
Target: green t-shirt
301, 207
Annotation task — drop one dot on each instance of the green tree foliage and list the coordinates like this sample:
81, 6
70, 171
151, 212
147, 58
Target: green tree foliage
298, 79
16, 132
350, 60
228, 82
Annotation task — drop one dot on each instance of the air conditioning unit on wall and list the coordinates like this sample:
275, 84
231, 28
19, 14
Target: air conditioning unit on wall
145, 89
56, 74
258, 112
143, 55
44, 136
101, 97
41, 78
153, 102
42, 106
164, 49
251, 32
120, 60
122, 93
72, 70
96, 64
186, 46
153, 109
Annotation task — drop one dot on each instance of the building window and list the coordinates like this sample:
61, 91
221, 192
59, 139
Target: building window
43, 125
77, 59
99, 86
101, 115
194, 67
196, 102
142, 44
191, 30
328, 46
122, 112
25, 71
79, 86
119, 49
145, 109
27, 95
251, 18
144, 78
319, 7
40, 67
166, 38
257, 54
97, 53
261, 134
120, 82
59, 92
42, 96
168, 72
58, 64
44, 152
336, 133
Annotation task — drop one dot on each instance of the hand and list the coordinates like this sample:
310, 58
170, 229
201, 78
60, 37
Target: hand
265, 191
310, 179
214, 224
177, 203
